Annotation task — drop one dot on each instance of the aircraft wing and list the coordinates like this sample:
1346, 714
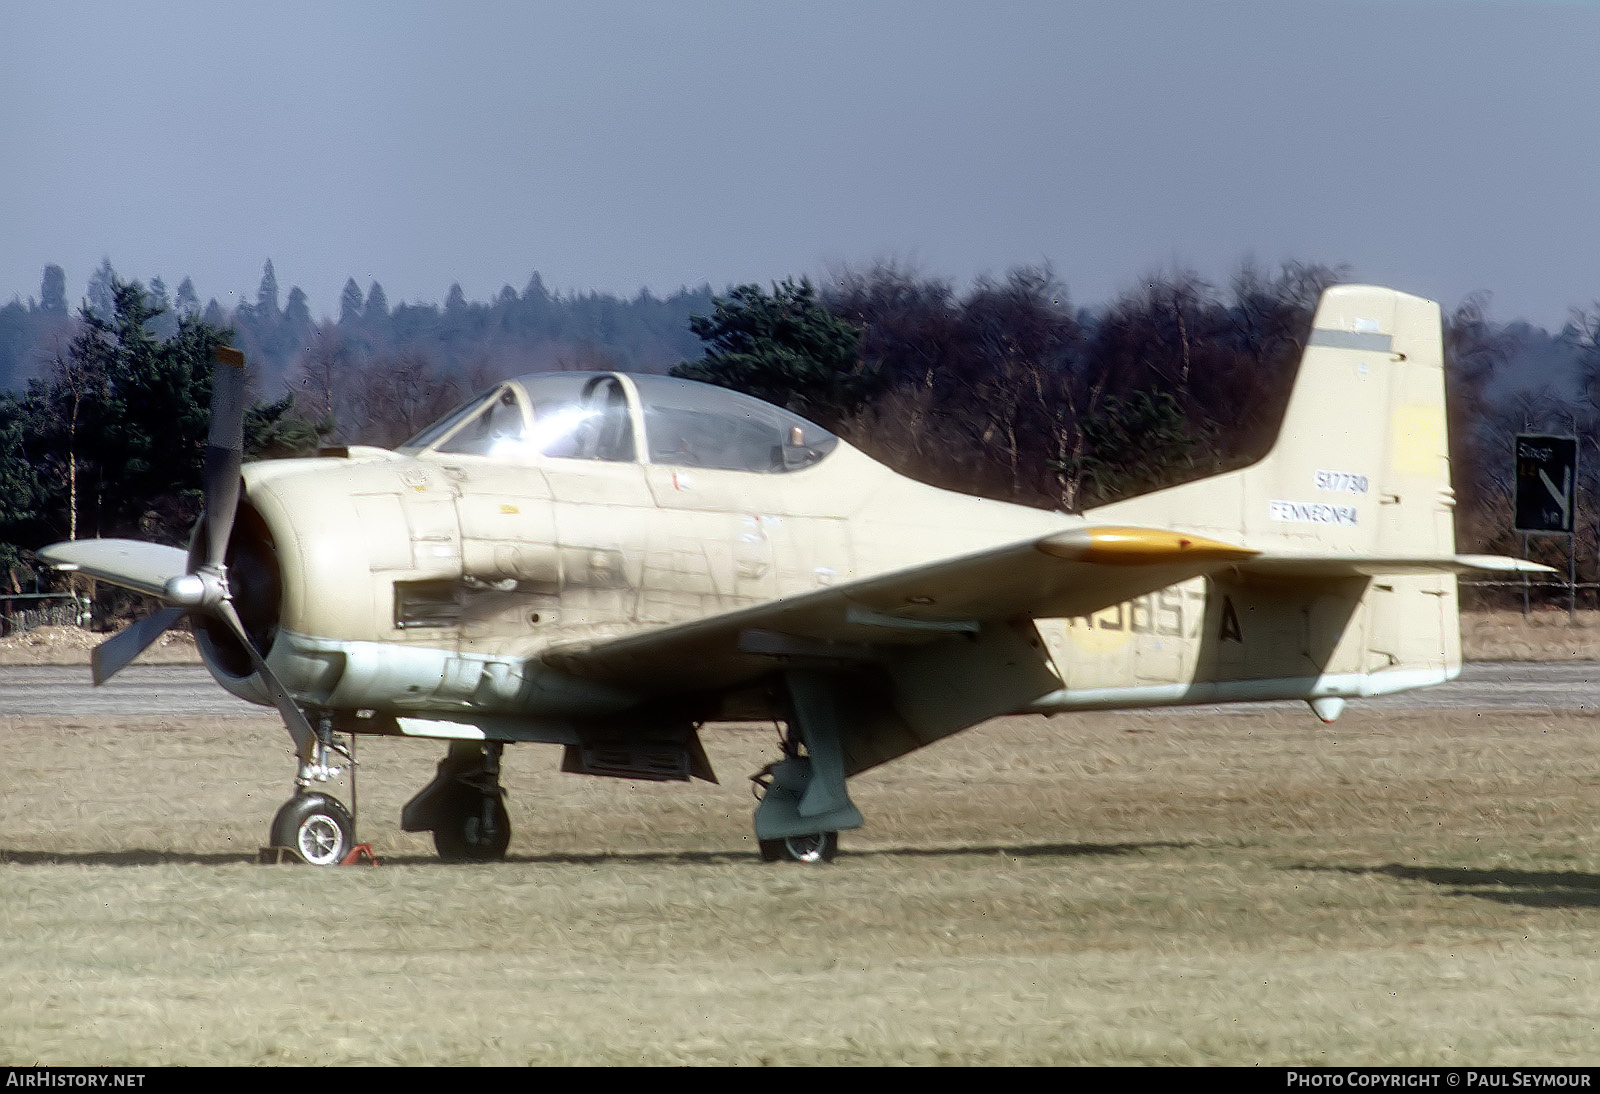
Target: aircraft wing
130, 563
1071, 573
1074, 572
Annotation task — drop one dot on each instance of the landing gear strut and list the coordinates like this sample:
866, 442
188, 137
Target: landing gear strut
780, 788
804, 801
464, 805
316, 826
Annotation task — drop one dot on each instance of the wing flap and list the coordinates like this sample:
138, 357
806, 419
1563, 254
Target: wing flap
131, 563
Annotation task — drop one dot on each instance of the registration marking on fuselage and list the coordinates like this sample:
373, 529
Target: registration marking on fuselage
1304, 512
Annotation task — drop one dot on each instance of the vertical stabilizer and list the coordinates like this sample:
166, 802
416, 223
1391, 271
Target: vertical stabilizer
1361, 464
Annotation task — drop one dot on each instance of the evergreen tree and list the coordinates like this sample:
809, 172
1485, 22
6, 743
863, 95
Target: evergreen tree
350, 303
53, 290
297, 312
163, 323
785, 348
188, 304
272, 431
101, 296
19, 488
114, 434
267, 293
377, 309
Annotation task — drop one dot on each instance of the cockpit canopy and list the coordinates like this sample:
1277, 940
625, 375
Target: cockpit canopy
618, 417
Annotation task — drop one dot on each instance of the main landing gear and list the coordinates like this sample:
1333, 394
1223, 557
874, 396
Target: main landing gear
804, 801
817, 847
464, 805
781, 831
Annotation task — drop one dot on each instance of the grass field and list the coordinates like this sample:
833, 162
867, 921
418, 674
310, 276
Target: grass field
1122, 888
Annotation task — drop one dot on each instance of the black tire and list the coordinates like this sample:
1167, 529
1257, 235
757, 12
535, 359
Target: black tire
460, 835
814, 848
315, 827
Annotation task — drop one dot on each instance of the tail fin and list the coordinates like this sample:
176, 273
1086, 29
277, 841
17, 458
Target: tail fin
1351, 512
1361, 466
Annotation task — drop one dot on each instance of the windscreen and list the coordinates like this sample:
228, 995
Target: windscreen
490, 425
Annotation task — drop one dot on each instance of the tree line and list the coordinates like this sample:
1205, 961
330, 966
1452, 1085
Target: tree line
1004, 388
457, 344
110, 440
1009, 391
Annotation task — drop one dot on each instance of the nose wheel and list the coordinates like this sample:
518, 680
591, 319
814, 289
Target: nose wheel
315, 827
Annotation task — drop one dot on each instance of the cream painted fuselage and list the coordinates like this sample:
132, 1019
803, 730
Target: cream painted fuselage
434, 583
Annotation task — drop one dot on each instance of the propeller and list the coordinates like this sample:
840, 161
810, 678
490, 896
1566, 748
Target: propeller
204, 592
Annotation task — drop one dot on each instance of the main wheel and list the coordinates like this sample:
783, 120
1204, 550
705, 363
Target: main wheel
315, 827
462, 836
816, 847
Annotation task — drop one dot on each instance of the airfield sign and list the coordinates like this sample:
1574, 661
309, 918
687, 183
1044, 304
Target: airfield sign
1547, 477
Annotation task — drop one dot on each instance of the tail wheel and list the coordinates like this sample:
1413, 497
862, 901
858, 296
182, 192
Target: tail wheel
315, 827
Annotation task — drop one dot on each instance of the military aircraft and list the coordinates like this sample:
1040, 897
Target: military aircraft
607, 562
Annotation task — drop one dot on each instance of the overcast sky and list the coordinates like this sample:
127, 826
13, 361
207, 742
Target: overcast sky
1437, 146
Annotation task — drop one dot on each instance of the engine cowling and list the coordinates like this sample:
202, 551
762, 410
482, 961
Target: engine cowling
395, 584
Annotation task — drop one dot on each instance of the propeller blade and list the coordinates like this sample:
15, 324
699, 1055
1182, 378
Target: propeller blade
117, 652
293, 718
224, 451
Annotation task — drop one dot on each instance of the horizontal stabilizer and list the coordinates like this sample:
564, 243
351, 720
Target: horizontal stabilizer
131, 563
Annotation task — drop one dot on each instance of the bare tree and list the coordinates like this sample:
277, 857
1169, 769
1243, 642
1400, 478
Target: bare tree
399, 395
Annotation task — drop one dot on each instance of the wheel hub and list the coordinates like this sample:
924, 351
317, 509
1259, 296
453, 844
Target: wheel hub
320, 841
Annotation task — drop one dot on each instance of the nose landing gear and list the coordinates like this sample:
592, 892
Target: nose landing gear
315, 827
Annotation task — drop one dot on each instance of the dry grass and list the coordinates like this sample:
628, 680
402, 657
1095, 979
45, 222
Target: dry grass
1141, 888
73, 645
1545, 635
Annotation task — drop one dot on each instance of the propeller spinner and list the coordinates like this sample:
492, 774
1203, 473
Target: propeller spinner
204, 592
